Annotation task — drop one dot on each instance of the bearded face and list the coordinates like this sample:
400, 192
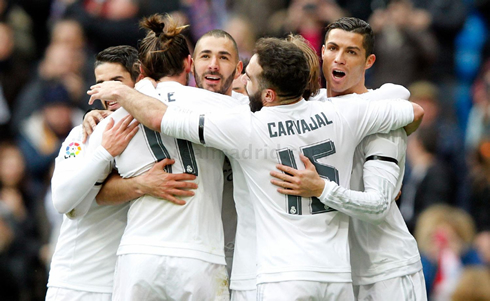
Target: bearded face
255, 103
214, 81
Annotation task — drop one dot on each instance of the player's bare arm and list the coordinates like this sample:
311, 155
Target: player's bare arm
148, 110
155, 182
91, 119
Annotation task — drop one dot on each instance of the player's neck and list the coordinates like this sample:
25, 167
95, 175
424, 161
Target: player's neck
180, 78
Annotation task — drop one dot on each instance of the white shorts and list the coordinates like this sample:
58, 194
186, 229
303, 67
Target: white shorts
305, 290
63, 294
404, 288
153, 277
250, 295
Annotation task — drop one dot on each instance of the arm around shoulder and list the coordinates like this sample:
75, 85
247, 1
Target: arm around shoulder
147, 110
418, 115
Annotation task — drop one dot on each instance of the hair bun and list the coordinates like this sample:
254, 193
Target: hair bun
159, 29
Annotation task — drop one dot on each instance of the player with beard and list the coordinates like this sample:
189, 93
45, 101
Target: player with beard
384, 255
298, 255
215, 65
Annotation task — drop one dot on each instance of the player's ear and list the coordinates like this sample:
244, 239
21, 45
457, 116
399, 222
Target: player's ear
269, 96
370, 61
192, 65
239, 69
188, 64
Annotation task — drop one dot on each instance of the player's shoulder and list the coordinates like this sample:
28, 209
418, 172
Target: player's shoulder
76, 133
118, 114
387, 91
144, 85
73, 146
240, 98
320, 96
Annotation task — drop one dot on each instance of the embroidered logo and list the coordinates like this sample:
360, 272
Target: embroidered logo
73, 150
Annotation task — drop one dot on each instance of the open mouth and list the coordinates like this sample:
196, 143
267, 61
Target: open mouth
338, 74
212, 77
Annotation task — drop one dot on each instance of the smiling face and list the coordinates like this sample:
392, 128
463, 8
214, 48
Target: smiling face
345, 63
112, 71
216, 64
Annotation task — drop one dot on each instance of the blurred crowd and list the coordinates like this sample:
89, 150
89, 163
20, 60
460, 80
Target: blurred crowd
438, 49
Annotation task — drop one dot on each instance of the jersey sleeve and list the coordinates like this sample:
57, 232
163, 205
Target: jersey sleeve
381, 172
372, 204
377, 116
218, 129
77, 176
388, 91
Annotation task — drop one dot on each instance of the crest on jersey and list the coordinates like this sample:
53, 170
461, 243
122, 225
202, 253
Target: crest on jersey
73, 150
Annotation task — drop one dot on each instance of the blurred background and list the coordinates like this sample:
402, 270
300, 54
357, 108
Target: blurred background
438, 49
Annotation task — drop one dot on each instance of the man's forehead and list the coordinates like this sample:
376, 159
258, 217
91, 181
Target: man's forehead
110, 66
216, 44
111, 70
340, 36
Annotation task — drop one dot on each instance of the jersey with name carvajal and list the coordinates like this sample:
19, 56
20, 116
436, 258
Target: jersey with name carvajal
159, 227
386, 249
297, 239
85, 255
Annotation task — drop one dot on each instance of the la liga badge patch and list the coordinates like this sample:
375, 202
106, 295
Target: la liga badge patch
73, 150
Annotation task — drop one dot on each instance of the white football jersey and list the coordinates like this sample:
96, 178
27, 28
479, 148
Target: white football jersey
85, 255
244, 272
229, 216
156, 226
385, 249
297, 239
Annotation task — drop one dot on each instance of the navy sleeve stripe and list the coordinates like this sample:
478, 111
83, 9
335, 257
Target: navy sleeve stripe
201, 129
382, 158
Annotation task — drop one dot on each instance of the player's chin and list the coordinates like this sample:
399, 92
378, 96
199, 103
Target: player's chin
212, 88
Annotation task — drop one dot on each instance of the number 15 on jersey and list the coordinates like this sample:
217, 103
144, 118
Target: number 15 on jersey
313, 152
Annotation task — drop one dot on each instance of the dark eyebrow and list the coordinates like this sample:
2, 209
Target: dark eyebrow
119, 77
354, 47
220, 52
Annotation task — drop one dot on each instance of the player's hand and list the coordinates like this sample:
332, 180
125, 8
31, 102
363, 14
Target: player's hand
107, 91
117, 137
158, 183
305, 183
91, 119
